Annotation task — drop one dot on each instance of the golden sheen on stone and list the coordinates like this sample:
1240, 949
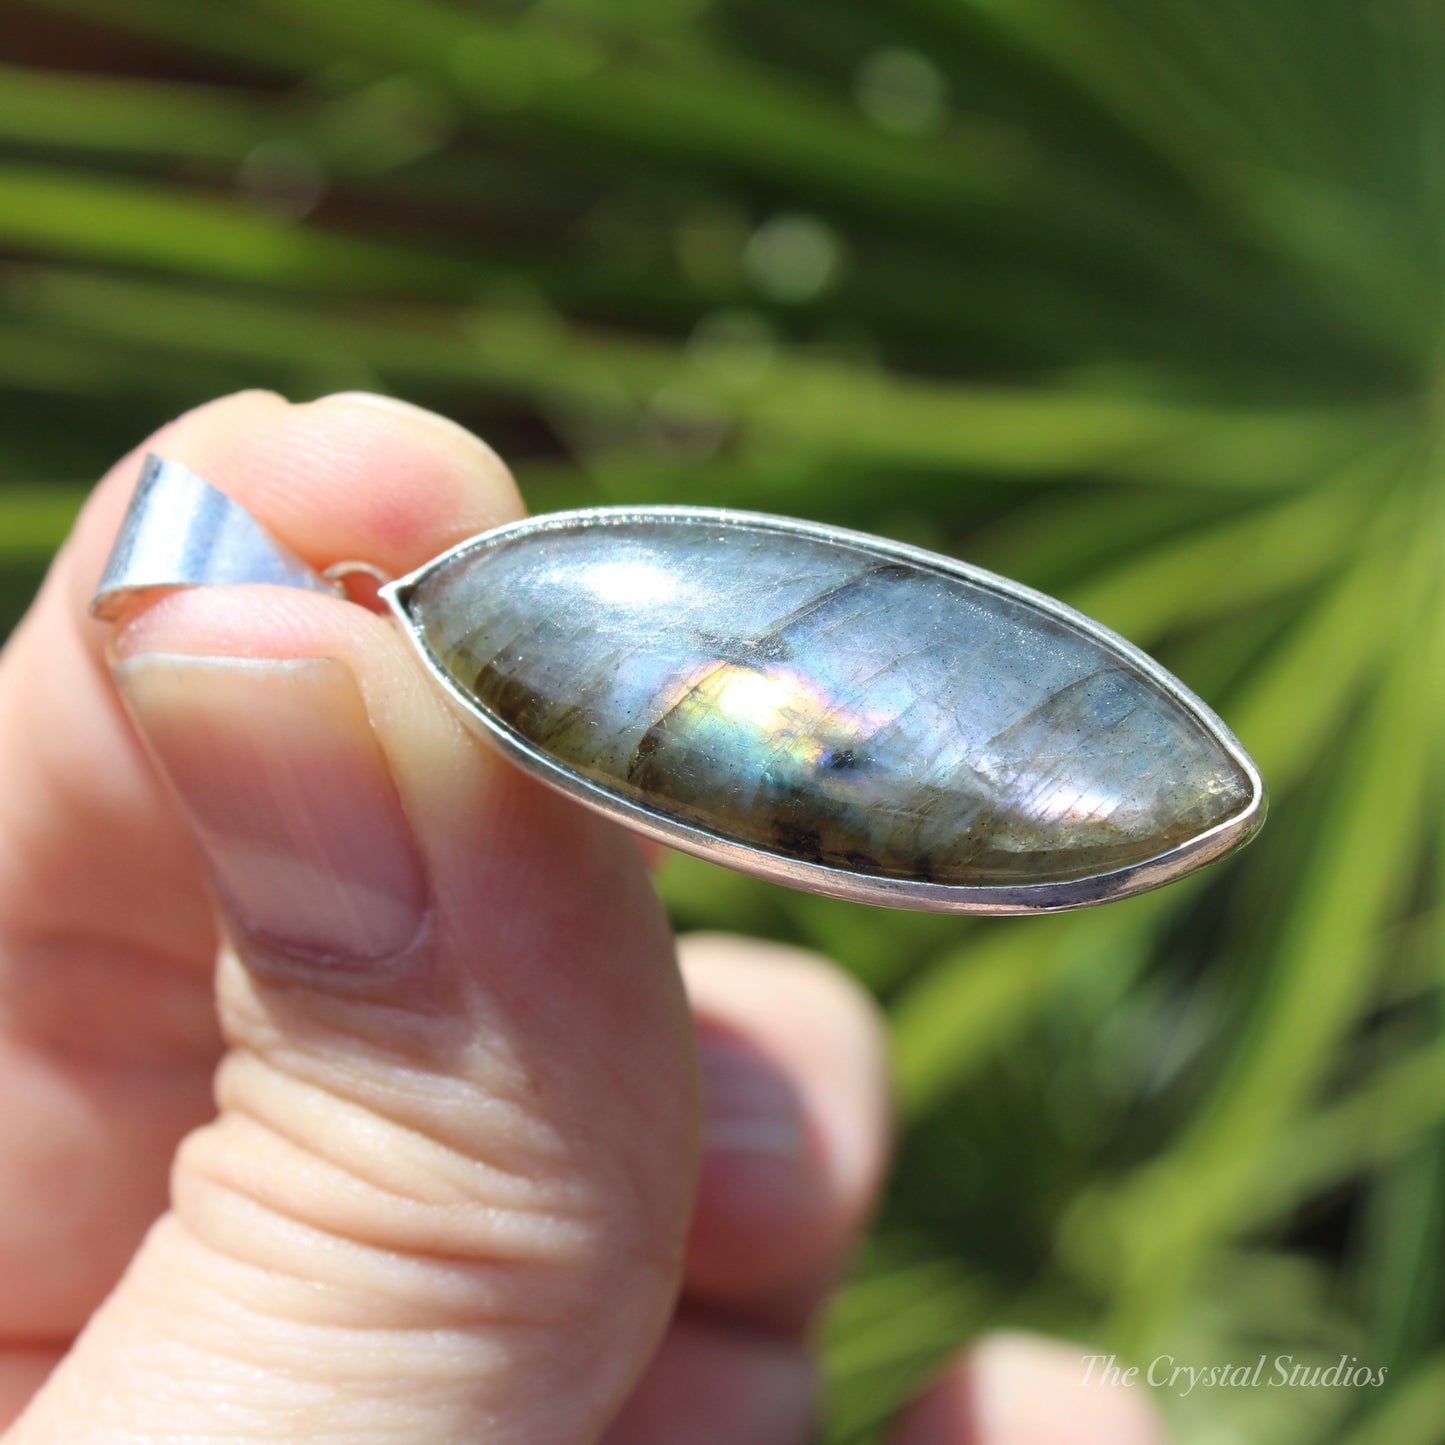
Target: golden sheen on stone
797, 695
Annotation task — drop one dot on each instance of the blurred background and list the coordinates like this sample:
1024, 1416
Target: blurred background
1141, 302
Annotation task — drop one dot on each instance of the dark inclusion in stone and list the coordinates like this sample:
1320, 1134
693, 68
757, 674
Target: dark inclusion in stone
823, 702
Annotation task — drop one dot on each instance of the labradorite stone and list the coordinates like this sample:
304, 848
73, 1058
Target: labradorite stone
826, 702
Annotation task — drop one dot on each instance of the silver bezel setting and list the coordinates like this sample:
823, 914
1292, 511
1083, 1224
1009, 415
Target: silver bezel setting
1043, 897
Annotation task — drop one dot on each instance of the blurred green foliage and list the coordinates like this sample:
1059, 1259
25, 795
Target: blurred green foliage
1139, 301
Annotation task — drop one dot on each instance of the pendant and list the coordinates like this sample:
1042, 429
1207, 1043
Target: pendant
819, 707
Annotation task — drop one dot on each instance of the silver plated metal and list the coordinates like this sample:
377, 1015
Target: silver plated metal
179, 531
1036, 632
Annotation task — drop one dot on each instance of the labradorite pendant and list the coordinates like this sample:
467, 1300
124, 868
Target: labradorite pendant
830, 710
819, 707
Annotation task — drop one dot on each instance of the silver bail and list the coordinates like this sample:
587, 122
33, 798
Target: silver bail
179, 531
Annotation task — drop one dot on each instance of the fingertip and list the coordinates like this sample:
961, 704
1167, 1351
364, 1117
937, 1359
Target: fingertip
820, 1023
348, 477
413, 415
430, 481
797, 1123
1023, 1389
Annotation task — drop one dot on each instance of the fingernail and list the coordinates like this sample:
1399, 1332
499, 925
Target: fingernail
412, 412
285, 785
749, 1104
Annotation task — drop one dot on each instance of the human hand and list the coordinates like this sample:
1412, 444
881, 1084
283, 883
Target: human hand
459, 1180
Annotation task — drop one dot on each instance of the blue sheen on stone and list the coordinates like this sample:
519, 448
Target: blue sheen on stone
822, 701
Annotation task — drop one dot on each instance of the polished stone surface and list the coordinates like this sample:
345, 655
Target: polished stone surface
825, 702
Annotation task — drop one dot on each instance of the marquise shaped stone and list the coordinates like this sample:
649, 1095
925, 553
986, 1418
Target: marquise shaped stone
826, 698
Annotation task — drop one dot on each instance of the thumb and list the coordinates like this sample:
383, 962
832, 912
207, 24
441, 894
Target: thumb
446, 1192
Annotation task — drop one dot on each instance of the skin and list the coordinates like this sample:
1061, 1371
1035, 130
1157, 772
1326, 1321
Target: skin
473, 1152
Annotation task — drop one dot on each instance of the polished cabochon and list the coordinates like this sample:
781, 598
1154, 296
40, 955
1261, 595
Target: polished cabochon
831, 710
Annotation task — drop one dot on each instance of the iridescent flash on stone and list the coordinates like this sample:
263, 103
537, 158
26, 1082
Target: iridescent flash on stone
831, 710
